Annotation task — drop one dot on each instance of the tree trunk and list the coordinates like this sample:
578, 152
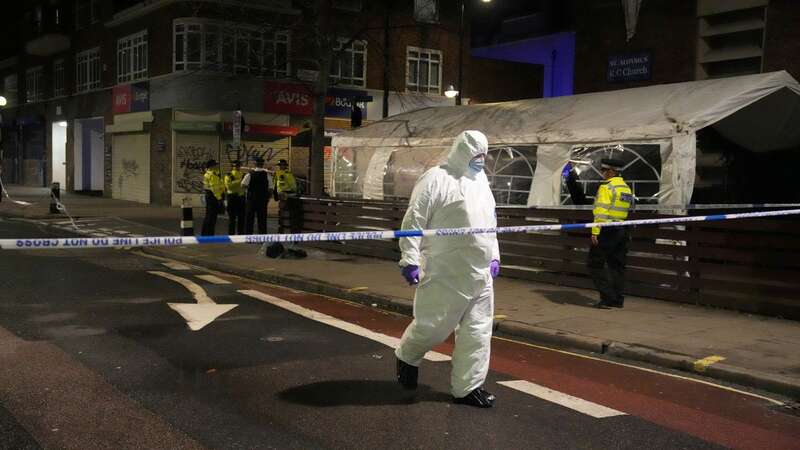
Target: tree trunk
318, 129
324, 53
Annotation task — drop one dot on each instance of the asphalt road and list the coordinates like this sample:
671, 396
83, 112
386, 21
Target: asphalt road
93, 356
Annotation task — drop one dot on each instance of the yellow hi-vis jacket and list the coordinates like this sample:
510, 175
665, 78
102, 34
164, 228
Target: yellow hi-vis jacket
233, 183
612, 203
285, 182
212, 182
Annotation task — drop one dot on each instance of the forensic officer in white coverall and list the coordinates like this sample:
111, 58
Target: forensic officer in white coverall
455, 291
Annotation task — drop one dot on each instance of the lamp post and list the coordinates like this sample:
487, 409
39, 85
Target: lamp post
461, 52
460, 55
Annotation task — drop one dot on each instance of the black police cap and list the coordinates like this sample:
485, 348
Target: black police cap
609, 163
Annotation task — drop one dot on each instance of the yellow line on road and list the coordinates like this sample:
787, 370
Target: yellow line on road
702, 364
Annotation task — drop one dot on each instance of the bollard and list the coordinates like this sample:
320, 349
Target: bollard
187, 222
55, 197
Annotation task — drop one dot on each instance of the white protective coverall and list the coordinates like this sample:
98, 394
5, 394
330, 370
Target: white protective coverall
456, 290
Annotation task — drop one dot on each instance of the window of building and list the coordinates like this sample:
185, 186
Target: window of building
424, 70
86, 12
426, 11
132, 57
34, 89
10, 89
87, 70
229, 47
59, 89
350, 68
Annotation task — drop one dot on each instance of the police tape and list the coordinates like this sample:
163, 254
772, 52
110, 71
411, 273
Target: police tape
172, 241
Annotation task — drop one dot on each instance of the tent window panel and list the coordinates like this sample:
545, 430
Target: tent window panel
510, 171
642, 170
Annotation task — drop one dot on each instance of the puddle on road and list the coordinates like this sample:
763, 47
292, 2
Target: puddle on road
54, 317
69, 331
133, 301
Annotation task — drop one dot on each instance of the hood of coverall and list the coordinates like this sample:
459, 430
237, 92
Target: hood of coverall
467, 145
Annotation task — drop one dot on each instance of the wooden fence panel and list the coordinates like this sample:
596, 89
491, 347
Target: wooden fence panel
749, 264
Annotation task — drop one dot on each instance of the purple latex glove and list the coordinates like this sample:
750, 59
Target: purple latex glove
411, 274
567, 170
494, 268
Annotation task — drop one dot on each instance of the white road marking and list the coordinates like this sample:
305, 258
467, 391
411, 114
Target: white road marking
198, 292
560, 398
643, 369
176, 266
197, 315
213, 279
200, 315
389, 341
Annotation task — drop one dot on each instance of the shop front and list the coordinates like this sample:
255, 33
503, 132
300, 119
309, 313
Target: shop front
130, 143
199, 136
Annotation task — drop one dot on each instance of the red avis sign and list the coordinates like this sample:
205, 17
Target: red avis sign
287, 98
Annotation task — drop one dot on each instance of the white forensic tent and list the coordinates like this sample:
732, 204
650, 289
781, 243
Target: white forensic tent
758, 112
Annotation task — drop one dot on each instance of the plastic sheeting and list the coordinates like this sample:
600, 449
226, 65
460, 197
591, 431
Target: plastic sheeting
546, 186
679, 158
376, 170
660, 121
631, 8
645, 113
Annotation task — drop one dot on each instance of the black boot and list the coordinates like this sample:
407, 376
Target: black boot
478, 397
407, 374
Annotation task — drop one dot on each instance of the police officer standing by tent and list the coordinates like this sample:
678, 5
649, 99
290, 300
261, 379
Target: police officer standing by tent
258, 184
609, 248
235, 197
214, 190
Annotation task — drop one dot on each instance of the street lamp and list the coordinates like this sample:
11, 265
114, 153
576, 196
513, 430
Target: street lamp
450, 92
3, 101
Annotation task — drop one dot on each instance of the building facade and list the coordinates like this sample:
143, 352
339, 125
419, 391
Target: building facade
668, 42
130, 102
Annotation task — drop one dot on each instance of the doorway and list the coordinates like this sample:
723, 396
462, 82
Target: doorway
59, 156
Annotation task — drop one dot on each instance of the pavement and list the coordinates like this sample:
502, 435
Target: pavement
741, 348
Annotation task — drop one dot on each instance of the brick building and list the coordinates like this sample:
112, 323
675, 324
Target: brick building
677, 41
683, 41
128, 99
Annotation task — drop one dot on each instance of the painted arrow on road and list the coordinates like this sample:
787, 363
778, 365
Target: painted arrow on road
200, 314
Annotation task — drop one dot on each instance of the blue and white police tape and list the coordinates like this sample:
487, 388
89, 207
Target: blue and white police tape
171, 241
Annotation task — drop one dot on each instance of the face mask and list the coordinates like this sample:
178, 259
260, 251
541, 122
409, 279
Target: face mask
476, 165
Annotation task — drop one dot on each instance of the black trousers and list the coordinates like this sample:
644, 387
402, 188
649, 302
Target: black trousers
256, 210
213, 207
235, 214
607, 264
291, 212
